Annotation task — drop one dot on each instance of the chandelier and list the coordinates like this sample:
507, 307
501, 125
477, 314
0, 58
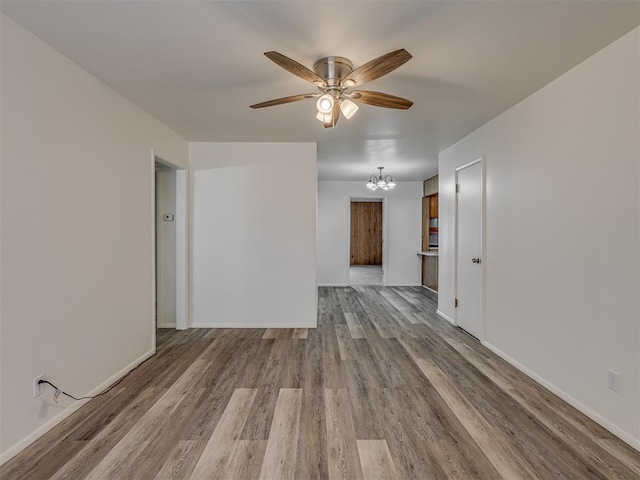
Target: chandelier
380, 182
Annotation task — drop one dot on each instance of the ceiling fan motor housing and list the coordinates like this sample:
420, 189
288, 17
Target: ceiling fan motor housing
333, 69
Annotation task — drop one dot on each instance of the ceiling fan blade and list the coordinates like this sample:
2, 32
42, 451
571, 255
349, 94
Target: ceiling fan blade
281, 101
335, 115
294, 67
378, 99
377, 67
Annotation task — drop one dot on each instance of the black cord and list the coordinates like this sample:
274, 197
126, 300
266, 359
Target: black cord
111, 387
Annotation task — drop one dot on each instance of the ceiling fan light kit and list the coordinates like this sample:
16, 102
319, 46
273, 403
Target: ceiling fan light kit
380, 182
334, 77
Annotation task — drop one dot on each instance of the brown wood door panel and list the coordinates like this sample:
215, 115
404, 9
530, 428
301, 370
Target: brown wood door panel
366, 233
430, 272
433, 206
425, 223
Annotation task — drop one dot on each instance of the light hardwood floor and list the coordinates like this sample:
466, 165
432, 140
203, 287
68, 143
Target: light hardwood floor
382, 389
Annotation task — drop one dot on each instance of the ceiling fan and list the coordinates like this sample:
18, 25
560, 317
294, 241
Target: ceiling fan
335, 78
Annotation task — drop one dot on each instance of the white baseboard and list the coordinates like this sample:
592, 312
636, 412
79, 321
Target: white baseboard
446, 317
596, 417
253, 325
167, 325
403, 285
36, 434
334, 285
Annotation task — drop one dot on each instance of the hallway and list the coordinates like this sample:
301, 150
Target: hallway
365, 275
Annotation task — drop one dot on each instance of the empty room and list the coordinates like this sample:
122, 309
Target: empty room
319, 240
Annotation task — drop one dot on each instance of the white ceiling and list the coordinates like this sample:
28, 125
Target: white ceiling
197, 66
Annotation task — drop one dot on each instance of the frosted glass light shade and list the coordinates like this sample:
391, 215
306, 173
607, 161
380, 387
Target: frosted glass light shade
348, 108
324, 117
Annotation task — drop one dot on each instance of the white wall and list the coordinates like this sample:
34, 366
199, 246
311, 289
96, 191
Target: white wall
77, 178
402, 225
562, 233
254, 227
166, 248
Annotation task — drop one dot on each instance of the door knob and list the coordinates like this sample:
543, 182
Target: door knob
475, 260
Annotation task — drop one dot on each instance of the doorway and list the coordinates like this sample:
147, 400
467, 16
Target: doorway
469, 248
169, 245
365, 244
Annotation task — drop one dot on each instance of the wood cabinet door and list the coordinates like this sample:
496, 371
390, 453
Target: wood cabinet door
433, 206
366, 233
432, 275
430, 272
425, 224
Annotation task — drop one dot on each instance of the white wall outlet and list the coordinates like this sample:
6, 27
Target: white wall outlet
38, 388
614, 381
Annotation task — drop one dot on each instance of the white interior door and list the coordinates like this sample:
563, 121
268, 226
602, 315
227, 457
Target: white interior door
469, 249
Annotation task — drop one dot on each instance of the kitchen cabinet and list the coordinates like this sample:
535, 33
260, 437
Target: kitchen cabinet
425, 223
430, 238
430, 272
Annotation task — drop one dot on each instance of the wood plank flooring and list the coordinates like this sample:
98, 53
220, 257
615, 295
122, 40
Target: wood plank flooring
382, 389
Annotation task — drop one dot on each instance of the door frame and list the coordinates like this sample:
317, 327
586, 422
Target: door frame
385, 223
482, 161
182, 235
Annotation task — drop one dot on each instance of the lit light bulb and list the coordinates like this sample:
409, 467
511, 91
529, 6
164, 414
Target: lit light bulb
325, 103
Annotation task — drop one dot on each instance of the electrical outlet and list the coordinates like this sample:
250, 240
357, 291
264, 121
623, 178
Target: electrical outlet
614, 381
37, 387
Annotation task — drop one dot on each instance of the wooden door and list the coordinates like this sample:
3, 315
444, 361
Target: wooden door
366, 233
